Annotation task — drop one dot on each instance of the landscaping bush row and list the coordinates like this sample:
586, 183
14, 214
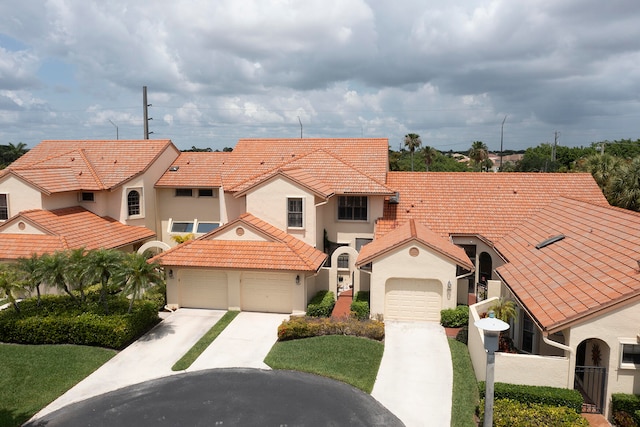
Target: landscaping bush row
58, 320
321, 305
455, 317
305, 327
360, 306
511, 413
625, 409
528, 394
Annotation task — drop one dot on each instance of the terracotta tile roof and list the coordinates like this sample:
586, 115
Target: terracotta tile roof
14, 246
280, 251
412, 231
330, 172
299, 176
195, 169
79, 228
57, 166
595, 266
252, 157
490, 204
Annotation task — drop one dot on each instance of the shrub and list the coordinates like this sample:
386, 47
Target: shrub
360, 306
321, 305
305, 327
550, 396
463, 335
510, 413
626, 409
59, 320
455, 317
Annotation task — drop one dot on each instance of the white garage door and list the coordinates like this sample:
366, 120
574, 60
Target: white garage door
413, 299
203, 289
267, 292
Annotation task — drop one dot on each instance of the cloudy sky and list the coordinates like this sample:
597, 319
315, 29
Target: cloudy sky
220, 70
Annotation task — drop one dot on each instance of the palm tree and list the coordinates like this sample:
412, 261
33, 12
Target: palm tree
478, 153
504, 309
101, 264
11, 284
31, 272
624, 188
412, 141
137, 274
430, 154
602, 166
53, 269
78, 270
178, 238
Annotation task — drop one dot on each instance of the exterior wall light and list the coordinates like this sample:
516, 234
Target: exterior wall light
170, 273
297, 279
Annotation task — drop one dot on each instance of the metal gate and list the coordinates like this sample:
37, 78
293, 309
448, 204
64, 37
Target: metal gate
591, 381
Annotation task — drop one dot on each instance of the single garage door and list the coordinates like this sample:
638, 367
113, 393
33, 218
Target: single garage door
267, 292
413, 299
203, 289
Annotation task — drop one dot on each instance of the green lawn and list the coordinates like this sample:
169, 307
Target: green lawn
202, 344
32, 376
465, 386
331, 356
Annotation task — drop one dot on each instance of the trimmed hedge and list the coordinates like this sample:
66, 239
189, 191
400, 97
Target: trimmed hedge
360, 306
550, 396
60, 320
511, 413
625, 409
305, 327
321, 305
455, 317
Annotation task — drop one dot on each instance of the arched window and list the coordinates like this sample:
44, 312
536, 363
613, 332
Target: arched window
133, 202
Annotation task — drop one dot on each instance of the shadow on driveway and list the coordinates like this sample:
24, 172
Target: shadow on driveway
228, 397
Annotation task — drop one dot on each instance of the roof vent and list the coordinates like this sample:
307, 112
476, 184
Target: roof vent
550, 241
395, 199
174, 168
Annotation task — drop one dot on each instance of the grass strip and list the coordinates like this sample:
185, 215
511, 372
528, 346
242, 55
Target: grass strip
32, 376
331, 356
204, 342
465, 386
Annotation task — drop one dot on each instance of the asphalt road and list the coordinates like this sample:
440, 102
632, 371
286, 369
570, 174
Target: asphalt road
228, 397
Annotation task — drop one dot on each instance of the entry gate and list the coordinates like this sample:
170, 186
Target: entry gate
591, 382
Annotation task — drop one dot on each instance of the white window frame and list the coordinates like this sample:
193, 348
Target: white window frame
197, 225
6, 198
140, 201
188, 222
301, 226
346, 196
626, 365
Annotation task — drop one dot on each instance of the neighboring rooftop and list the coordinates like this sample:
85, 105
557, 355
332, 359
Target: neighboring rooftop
195, 169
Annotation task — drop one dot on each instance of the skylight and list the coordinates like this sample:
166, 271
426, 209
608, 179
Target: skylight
550, 241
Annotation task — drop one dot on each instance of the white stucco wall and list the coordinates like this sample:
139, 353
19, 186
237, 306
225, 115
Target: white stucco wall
400, 264
20, 195
346, 231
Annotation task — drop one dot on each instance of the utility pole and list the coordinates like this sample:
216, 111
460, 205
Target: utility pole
555, 144
145, 112
300, 121
501, 135
116, 126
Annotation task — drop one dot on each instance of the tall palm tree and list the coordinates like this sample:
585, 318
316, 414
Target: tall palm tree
101, 264
31, 272
430, 154
478, 153
137, 274
412, 141
624, 188
602, 166
11, 284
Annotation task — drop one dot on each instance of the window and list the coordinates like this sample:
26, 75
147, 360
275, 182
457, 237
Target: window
528, 333
205, 227
208, 192
182, 227
4, 207
184, 192
133, 202
343, 261
353, 208
360, 242
630, 356
87, 196
294, 212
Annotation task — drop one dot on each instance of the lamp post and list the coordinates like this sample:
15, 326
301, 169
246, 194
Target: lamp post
491, 328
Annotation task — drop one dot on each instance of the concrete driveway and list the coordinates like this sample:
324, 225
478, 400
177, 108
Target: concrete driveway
415, 379
243, 344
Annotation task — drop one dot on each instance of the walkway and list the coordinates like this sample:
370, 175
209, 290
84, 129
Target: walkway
343, 305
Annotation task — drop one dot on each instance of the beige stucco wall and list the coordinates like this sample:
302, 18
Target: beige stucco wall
178, 209
269, 202
347, 231
60, 200
399, 264
13, 227
21, 196
233, 233
233, 207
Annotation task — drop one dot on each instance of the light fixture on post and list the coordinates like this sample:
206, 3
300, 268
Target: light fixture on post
297, 279
491, 328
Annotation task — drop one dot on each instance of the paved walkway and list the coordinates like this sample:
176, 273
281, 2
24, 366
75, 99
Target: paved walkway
415, 379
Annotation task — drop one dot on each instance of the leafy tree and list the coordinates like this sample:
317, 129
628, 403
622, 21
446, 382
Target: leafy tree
478, 154
10, 153
137, 274
429, 154
195, 149
412, 141
101, 264
11, 284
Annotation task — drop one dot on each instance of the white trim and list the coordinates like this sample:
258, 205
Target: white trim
140, 191
623, 342
302, 199
8, 208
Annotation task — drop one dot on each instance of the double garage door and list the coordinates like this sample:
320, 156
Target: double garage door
264, 292
413, 299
